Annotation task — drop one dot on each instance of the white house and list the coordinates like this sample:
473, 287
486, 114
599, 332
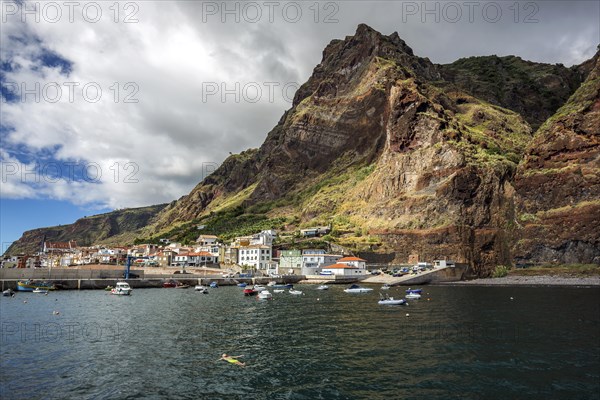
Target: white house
312, 262
264, 238
202, 258
444, 264
256, 256
354, 262
343, 270
206, 240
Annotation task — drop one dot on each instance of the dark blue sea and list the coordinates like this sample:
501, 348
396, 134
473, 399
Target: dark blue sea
455, 343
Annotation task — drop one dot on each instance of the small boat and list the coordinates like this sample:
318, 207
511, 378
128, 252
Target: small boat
169, 284
271, 283
259, 288
108, 288
29, 286
390, 301
181, 285
385, 287
122, 288
40, 290
8, 293
199, 287
282, 286
323, 287
214, 285
409, 290
357, 289
295, 292
413, 296
250, 292
265, 295
278, 290
242, 284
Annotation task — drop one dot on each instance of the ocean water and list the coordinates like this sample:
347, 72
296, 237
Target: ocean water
455, 342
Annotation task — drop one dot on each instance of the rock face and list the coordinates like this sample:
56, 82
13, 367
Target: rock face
558, 183
533, 90
378, 144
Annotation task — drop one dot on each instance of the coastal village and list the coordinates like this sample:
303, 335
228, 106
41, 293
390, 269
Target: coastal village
252, 255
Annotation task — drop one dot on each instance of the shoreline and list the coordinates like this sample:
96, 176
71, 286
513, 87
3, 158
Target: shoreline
536, 280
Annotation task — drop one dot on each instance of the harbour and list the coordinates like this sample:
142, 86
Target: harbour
470, 342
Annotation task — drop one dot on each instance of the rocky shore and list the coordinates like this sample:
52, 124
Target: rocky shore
540, 280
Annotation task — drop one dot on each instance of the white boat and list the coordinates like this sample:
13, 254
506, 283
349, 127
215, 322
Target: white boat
385, 287
390, 301
122, 288
323, 287
272, 283
357, 289
295, 292
413, 295
202, 289
40, 290
259, 288
265, 294
278, 290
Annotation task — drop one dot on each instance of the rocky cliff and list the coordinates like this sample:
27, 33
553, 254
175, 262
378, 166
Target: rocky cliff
558, 184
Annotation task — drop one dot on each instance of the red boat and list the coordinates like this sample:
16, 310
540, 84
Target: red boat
169, 284
250, 292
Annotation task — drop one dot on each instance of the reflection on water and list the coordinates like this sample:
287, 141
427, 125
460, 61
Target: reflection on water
455, 342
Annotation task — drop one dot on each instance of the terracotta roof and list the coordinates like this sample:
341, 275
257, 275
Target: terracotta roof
201, 253
351, 259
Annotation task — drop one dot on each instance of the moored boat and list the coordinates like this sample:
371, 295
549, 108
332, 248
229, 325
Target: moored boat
8, 293
40, 290
409, 290
295, 292
250, 291
390, 301
169, 284
323, 287
201, 289
385, 287
214, 285
30, 285
122, 289
265, 295
278, 290
242, 284
357, 289
413, 295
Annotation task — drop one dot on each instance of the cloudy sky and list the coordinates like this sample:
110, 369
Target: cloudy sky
108, 105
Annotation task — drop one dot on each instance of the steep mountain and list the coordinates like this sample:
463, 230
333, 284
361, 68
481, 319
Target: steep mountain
558, 183
534, 90
371, 145
114, 227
